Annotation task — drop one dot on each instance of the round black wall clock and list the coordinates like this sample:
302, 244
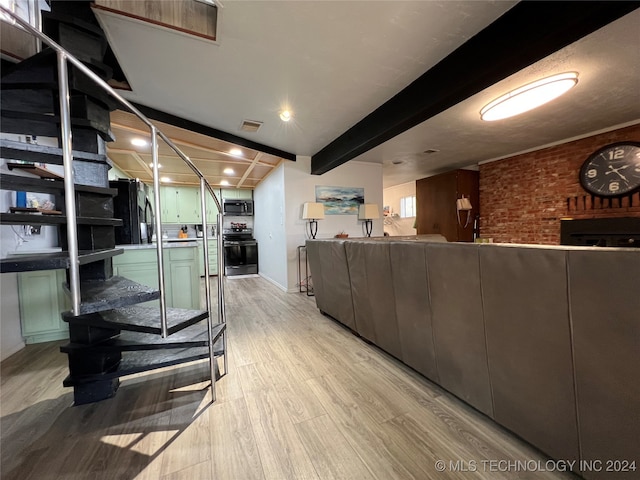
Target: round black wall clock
612, 170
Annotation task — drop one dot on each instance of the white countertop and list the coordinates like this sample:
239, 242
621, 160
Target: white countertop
186, 242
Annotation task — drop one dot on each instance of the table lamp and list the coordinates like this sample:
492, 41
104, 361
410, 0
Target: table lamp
313, 212
367, 212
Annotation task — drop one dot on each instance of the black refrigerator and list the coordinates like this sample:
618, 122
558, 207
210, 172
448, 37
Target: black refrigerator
133, 206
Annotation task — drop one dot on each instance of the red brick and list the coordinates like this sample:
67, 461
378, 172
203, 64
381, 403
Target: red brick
523, 198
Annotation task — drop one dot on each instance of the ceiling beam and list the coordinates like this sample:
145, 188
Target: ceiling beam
164, 117
522, 36
251, 167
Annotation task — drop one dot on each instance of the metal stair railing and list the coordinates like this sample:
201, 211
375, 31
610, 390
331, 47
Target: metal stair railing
63, 58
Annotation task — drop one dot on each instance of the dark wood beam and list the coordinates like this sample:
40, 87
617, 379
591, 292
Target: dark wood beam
528, 32
170, 119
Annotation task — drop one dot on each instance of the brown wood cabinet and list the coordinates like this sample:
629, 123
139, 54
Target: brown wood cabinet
436, 204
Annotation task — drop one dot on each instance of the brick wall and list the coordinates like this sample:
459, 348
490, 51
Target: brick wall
523, 198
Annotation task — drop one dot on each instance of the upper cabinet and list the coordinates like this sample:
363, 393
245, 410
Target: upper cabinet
438, 209
180, 205
237, 194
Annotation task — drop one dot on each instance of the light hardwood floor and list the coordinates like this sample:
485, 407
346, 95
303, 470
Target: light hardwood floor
304, 399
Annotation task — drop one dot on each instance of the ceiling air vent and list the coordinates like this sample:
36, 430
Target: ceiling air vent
250, 125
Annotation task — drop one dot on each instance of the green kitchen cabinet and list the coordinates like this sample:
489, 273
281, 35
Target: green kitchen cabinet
237, 194
180, 205
181, 274
42, 300
169, 205
184, 291
212, 210
189, 208
213, 257
140, 266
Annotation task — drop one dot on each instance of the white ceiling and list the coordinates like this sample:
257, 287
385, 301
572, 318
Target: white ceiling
332, 63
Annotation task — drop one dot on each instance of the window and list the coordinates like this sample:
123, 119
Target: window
408, 206
26, 10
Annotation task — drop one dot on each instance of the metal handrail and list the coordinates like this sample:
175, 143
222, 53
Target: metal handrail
63, 57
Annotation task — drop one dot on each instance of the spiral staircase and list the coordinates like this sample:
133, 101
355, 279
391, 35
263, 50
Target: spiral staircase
62, 92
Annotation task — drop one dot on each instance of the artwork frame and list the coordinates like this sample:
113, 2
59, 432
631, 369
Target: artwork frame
340, 200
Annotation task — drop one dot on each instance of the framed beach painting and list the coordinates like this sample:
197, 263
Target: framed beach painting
340, 200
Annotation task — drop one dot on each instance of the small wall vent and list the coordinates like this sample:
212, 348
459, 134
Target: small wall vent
250, 126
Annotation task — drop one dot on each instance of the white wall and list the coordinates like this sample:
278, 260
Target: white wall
278, 226
300, 188
269, 228
10, 332
394, 225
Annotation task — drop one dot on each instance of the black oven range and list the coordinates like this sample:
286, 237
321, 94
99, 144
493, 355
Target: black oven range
240, 250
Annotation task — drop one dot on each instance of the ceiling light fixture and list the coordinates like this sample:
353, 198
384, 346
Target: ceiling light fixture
285, 115
139, 142
529, 97
165, 180
151, 165
236, 151
224, 182
228, 171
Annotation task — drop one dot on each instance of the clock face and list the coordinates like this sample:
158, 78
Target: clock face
613, 170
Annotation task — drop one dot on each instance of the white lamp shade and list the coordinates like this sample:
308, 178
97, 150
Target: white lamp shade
312, 211
367, 211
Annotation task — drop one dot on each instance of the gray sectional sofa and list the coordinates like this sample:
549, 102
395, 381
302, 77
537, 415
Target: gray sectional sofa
544, 340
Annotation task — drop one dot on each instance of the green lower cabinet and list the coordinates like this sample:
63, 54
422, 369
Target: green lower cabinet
42, 299
140, 266
181, 274
213, 258
185, 280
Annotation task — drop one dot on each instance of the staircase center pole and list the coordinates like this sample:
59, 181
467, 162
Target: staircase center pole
69, 191
164, 330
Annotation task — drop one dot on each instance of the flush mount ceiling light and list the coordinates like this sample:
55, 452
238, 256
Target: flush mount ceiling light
165, 180
151, 165
529, 96
228, 171
285, 115
236, 151
224, 182
139, 142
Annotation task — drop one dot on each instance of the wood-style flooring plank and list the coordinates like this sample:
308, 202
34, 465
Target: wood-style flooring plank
194, 439
200, 470
330, 453
233, 444
281, 451
360, 431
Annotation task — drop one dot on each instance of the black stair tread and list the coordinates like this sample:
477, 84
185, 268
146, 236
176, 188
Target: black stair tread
116, 292
139, 318
35, 219
48, 125
13, 150
41, 185
194, 336
53, 261
143, 361
39, 72
68, 19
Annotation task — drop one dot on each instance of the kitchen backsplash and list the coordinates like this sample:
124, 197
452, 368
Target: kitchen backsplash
173, 229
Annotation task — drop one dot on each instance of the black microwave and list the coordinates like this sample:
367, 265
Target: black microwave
237, 207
